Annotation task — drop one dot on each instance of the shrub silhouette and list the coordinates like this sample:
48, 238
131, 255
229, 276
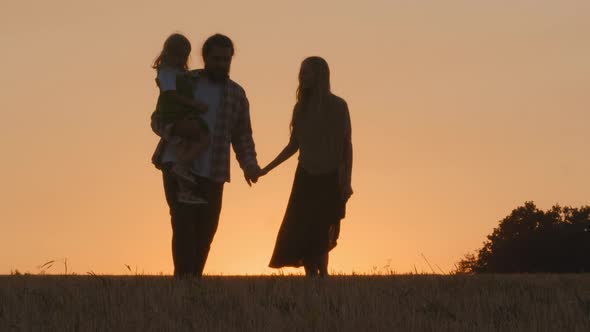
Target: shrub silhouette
532, 240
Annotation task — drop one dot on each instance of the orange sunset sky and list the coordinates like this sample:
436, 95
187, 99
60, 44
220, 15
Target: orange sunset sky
461, 111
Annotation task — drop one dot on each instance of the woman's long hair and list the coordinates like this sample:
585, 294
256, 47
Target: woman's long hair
317, 94
174, 53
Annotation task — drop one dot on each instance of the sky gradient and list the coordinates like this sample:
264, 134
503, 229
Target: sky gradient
461, 111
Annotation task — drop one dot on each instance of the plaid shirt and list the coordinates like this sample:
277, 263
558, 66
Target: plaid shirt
232, 126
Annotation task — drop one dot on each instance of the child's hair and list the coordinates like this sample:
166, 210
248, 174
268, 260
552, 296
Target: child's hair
174, 53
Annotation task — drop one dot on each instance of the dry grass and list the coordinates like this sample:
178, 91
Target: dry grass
288, 303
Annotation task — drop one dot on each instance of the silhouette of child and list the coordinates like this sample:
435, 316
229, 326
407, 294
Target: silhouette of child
178, 112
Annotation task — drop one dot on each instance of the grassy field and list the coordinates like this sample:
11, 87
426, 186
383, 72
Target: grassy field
292, 303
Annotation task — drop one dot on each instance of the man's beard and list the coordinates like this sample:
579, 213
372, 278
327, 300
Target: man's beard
217, 75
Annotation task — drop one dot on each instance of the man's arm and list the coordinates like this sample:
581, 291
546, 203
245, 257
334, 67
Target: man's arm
176, 97
243, 143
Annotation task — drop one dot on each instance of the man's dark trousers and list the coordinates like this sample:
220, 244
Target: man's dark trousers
193, 226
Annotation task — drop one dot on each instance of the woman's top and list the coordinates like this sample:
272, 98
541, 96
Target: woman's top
322, 133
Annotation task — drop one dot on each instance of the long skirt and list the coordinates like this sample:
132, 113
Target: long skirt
311, 224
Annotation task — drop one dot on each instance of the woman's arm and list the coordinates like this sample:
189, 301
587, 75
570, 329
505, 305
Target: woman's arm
347, 189
287, 152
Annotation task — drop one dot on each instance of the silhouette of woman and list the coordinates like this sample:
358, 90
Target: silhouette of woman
321, 132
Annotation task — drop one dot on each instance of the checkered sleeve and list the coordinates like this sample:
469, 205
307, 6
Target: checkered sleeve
241, 134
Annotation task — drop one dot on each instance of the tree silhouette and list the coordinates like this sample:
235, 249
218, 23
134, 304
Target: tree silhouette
532, 240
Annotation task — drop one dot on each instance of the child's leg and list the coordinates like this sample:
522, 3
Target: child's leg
195, 139
186, 153
190, 150
190, 128
185, 194
184, 172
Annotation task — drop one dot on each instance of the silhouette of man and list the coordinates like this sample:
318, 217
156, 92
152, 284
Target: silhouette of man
228, 117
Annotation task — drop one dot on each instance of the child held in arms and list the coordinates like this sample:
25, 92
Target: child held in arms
179, 112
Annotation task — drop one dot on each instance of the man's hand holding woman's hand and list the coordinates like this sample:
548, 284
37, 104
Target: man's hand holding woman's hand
252, 174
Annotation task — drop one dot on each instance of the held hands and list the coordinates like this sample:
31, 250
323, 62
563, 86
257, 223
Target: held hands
252, 174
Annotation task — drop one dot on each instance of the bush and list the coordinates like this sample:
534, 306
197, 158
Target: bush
532, 240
